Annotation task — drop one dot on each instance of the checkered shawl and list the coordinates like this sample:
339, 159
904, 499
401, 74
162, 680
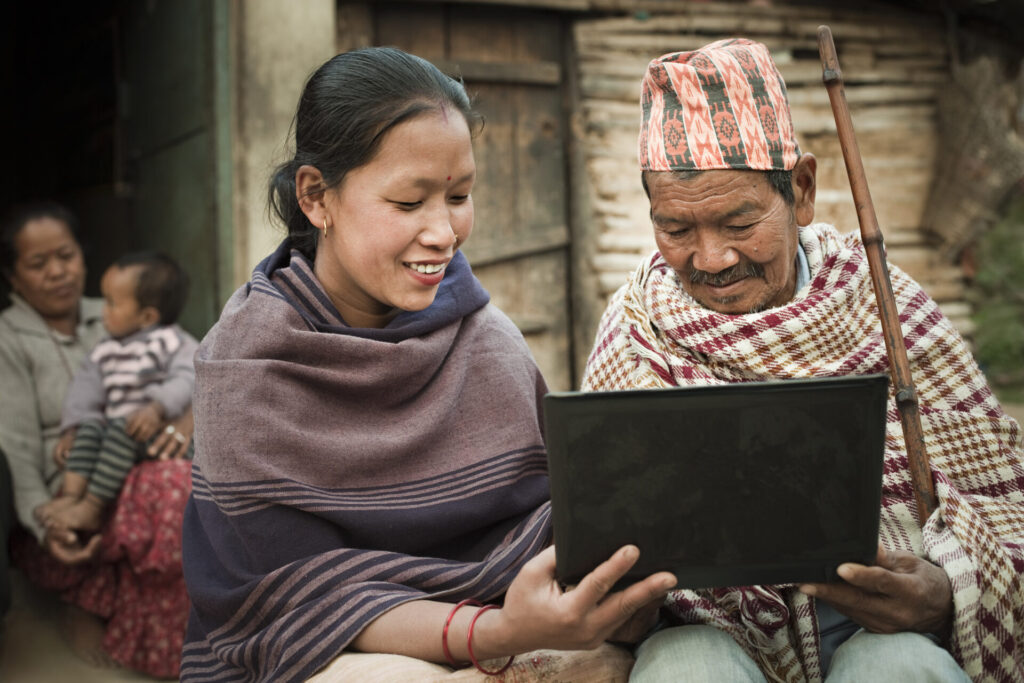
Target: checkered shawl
654, 335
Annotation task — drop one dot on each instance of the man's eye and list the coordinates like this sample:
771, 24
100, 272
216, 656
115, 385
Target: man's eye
741, 227
407, 206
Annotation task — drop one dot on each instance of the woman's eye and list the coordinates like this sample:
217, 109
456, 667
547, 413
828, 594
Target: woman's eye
460, 198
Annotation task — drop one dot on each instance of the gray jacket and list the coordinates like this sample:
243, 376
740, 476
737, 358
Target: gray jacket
36, 367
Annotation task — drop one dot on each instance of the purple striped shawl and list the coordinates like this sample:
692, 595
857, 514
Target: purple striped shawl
342, 472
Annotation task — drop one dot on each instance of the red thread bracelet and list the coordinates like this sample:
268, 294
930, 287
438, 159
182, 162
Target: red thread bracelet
447, 624
469, 645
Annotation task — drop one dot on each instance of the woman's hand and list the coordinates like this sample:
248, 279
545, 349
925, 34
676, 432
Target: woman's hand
901, 592
172, 442
538, 614
638, 625
65, 547
144, 423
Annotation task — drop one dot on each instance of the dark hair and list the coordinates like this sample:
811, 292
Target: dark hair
161, 284
346, 107
20, 216
781, 181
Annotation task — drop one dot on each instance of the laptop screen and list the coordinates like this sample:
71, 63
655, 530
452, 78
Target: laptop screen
739, 484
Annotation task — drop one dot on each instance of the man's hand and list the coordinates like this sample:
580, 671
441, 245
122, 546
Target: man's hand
145, 422
901, 593
63, 447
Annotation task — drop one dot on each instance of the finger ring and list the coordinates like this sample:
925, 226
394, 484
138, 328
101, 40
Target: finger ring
170, 429
179, 437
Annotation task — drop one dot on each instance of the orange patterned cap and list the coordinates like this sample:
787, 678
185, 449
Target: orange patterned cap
720, 107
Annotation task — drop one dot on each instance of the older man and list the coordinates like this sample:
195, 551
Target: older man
743, 287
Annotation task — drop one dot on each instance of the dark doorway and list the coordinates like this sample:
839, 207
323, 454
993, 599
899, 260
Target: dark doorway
109, 110
60, 81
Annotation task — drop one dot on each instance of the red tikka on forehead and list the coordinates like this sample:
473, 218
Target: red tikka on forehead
449, 177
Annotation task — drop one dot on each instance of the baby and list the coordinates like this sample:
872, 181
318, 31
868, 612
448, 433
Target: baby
128, 386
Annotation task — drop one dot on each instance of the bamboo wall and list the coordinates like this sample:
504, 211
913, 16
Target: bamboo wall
895, 66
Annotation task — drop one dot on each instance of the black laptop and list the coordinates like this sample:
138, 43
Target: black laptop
726, 485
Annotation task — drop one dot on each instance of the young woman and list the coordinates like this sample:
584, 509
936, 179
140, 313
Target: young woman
369, 447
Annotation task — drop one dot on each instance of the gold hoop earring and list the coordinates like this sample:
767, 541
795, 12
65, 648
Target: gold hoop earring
325, 227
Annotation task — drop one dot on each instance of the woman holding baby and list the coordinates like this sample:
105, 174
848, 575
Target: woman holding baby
123, 583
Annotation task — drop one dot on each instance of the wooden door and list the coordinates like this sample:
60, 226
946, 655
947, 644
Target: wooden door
168, 112
511, 61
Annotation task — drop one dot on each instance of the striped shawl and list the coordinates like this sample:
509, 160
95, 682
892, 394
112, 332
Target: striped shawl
653, 335
340, 472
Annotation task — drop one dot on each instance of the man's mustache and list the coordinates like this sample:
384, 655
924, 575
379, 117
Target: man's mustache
727, 276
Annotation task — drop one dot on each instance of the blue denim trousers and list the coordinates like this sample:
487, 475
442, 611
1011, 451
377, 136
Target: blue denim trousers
705, 653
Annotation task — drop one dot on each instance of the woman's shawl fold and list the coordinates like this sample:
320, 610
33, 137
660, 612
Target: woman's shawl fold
653, 334
342, 472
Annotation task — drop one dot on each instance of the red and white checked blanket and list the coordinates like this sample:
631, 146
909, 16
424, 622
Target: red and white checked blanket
654, 335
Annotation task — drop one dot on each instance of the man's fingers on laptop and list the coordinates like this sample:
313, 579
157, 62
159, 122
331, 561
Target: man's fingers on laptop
917, 594
910, 594
864, 607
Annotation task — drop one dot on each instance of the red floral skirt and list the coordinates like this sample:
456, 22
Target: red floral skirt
137, 583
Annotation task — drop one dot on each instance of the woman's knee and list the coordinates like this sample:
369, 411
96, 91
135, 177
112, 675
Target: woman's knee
693, 653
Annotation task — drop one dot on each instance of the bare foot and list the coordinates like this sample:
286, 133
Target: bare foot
84, 515
84, 632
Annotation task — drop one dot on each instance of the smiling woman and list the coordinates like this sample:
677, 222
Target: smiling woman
396, 478
397, 220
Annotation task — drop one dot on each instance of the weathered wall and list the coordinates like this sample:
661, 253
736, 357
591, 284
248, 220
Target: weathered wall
981, 158
895, 65
278, 45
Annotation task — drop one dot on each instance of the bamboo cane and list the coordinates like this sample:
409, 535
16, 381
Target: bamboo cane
871, 234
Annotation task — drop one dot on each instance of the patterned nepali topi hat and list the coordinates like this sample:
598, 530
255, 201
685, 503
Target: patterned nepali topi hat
722, 106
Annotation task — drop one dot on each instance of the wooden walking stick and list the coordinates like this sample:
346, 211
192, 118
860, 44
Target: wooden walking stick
871, 234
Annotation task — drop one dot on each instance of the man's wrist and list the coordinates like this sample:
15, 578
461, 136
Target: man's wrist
944, 632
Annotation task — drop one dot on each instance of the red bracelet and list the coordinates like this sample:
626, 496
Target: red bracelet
469, 645
447, 624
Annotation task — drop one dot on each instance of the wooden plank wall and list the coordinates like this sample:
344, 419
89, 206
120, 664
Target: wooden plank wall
511, 59
894, 64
